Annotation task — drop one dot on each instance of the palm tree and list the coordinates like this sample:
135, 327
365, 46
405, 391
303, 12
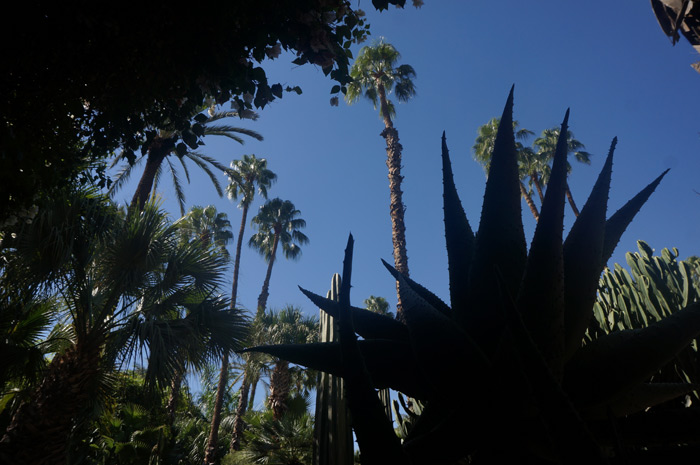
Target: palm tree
122, 285
376, 74
209, 227
288, 326
164, 145
527, 162
244, 176
277, 223
546, 146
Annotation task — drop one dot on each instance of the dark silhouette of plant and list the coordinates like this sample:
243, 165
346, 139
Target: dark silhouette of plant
515, 325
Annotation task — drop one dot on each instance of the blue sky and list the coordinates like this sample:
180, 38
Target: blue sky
609, 62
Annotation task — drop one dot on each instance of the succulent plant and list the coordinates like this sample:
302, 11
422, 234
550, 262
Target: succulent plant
332, 432
502, 371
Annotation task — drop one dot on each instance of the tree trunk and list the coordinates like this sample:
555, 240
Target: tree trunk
571, 200
237, 260
40, 429
279, 389
264, 294
396, 206
159, 149
210, 454
238, 425
175, 384
538, 186
223, 374
528, 200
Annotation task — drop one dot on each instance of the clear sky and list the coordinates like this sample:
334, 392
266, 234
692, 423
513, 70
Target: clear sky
609, 62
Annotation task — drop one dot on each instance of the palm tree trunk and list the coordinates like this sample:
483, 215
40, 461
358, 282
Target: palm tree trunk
279, 389
237, 260
223, 374
528, 200
538, 186
571, 200
253, 388
40, 429
238, 425
160, 148
175, 384
264, 294
396, 206
210, 454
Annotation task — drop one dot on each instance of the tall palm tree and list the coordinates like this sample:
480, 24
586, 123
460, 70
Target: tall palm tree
245, 175
375, 74
277, 223
209, 227
546, 146
163, 147
527, 162
288, 326
122, 284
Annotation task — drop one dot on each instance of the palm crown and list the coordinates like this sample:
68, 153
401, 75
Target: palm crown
375, 73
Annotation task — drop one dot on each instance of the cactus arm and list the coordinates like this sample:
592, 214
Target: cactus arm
459, 237
583, 251
500, 241
541, 298
367, 324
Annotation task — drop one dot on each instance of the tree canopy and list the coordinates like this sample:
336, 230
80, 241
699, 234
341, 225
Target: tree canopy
88, 80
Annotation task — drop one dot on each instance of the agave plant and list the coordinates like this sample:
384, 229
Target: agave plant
502, 371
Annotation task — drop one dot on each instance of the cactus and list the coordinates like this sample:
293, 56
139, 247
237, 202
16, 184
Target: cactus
502, 371
332, 433
655, 288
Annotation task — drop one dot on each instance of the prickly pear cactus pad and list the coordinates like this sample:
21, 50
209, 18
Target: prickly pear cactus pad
502, 370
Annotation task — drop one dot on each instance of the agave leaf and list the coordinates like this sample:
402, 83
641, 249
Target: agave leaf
541, 298
615, 225
439, 428
639, 398
389, 364
607, 366
373, 429
433, 300
657, 428
583, 250
500, 243
459, 237
368, 324
439, 345
570, 434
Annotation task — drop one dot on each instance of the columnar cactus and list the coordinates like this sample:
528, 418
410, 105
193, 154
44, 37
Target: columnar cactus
333, 443
502, 370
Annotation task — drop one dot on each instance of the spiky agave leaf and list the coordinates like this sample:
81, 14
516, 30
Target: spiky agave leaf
541, 297
459, 237
373, 429
367, 324
640, 398
583, 258
607, 366
389, 364
500, 241
434, 301
616, 225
